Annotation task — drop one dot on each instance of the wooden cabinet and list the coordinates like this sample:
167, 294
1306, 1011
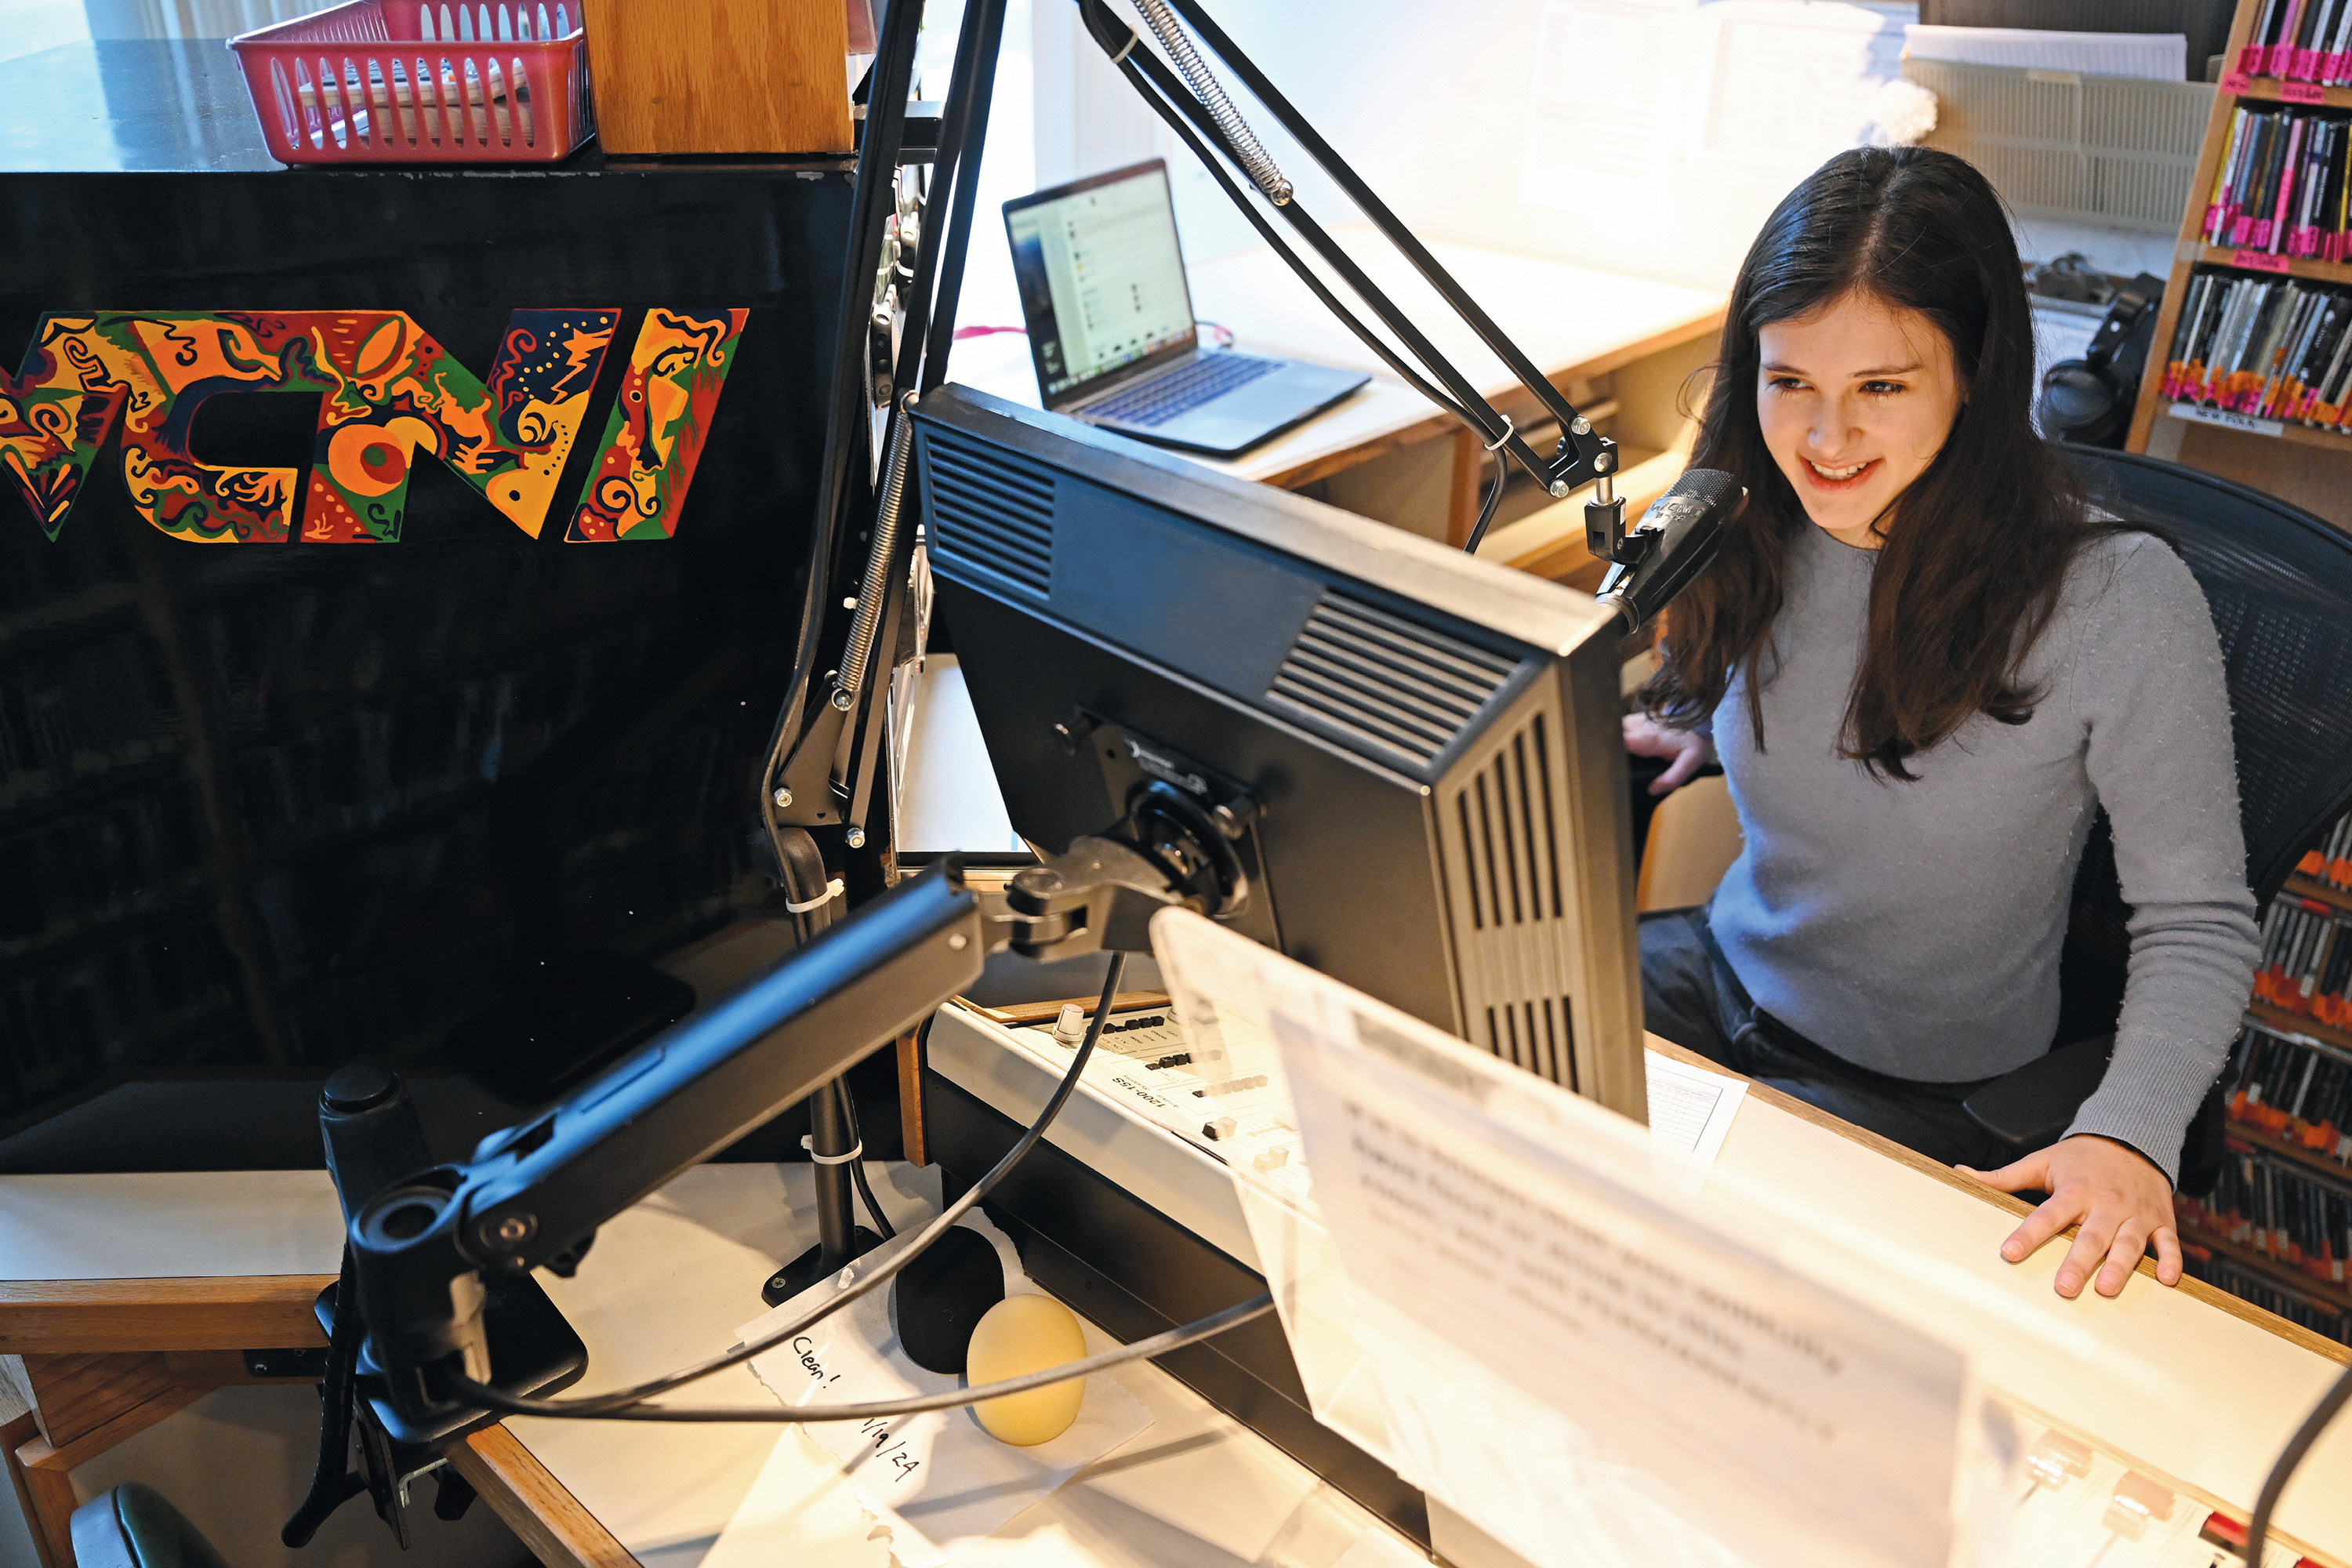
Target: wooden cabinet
706, 76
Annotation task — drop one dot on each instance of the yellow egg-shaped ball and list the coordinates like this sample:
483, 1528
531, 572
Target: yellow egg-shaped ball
1019, 1335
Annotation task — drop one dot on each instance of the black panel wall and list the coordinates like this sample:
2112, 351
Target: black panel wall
265, 808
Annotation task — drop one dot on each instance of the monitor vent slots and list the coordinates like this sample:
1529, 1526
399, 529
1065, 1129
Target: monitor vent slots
994, 512
1378, 678
1512, 925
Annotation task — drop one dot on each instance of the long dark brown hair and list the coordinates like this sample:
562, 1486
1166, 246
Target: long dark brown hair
1978, 548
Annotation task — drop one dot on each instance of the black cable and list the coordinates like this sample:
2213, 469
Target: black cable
2258, 1530
1486, 512
1174, 1339
506, 1404
334, 1482
857, 1166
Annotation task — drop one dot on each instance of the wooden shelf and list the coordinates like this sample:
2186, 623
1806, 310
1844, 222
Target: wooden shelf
2280, 1018
2273, 89
2278, 266
2286, 1274
2276, 1147
2286, 430
2304, 887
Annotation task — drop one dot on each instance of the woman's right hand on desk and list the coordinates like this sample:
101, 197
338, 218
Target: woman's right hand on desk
1686, 750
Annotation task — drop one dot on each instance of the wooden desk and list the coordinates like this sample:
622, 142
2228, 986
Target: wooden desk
122, 1325
669, 1281
675, 1277
1618, 345
2250, 1377
2244, 1378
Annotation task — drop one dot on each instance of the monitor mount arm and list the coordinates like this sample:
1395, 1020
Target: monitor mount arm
1099, 895
535, 1193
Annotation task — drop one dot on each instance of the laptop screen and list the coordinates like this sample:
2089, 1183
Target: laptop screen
1102, 281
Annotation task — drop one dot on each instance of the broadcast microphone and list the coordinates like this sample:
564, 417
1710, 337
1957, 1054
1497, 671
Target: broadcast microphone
1676, 538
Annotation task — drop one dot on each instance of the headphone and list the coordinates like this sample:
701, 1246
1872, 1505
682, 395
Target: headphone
2088, 401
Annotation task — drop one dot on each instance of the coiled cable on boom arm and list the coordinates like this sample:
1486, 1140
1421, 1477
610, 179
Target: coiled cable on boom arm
1246, 149
875, 585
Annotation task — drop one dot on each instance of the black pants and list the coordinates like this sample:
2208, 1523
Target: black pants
1690, 996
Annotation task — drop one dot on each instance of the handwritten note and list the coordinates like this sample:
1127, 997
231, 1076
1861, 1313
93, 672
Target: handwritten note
938, 1479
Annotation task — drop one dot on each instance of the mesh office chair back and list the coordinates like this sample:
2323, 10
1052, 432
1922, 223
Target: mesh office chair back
2279, 582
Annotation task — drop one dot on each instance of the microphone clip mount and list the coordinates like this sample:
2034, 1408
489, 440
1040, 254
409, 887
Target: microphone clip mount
1604, 525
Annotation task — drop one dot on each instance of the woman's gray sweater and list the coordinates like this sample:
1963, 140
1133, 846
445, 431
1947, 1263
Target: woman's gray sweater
1914, 929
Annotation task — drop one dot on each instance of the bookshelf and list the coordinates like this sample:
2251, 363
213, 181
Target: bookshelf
2310, 468
2289, 1151
2288, 1176
2278, 266
2277, 1270
2278, 1018
2319, 892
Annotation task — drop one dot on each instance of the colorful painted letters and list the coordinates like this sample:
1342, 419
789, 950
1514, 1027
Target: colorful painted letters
388, 392
657, 426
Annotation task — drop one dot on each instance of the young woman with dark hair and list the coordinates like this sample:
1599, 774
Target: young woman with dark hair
1925, 664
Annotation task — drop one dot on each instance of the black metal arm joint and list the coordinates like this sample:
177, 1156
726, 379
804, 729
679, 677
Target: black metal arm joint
530, 1193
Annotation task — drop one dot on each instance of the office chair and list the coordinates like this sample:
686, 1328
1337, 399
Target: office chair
131, 1526
2279, 582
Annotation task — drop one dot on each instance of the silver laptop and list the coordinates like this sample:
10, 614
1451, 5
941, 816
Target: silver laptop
1111, 329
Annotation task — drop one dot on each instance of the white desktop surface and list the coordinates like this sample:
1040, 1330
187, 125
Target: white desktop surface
669, 1281
1557, 314
2245, 1388
169, 1226
1561, 316
950, 799
672, 1278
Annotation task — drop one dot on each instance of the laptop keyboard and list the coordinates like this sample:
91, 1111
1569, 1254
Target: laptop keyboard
1158, 401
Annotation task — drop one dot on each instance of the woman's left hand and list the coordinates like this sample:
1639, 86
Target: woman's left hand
2118, 1197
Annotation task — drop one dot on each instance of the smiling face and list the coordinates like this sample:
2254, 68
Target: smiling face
1855, 400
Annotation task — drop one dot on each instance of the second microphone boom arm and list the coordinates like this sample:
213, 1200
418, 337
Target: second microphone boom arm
1198, 107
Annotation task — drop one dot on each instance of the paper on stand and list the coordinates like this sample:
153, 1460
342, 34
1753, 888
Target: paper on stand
797, 1511
1679, 1369
938, 1479
1534, 1331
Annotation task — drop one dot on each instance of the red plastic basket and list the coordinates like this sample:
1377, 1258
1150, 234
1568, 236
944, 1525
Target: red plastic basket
422, 81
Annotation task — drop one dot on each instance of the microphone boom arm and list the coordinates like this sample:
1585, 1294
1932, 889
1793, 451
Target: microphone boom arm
1198, 110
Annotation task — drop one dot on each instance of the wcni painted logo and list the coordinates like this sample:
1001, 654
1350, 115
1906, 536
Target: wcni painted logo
387, 392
